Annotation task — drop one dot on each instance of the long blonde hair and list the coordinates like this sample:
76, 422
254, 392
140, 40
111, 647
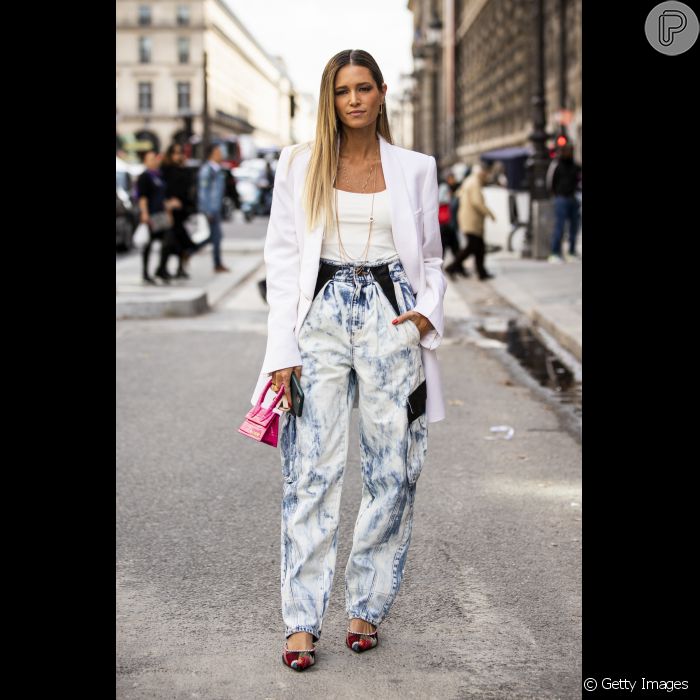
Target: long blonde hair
318, 189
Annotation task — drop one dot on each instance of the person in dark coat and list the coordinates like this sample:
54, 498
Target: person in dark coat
150, 189
178, 191
563, 180
447, 198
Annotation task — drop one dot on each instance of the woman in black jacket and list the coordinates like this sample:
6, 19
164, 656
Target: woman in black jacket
178, 189
150, 189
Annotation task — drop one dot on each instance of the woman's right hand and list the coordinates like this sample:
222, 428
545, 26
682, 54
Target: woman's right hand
284, 376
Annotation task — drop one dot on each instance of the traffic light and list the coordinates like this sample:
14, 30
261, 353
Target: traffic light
562, 140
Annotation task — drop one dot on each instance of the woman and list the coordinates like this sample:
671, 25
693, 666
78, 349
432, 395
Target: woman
178, 190
471, 215
152, 207
448, 229
355, 289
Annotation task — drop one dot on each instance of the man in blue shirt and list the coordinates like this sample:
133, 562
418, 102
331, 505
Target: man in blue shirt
210, 194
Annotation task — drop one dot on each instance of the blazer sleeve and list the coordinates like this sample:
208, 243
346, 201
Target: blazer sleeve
429, 302
282, 262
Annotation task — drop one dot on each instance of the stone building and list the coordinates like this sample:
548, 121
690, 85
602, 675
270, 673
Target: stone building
474, 74
160, 69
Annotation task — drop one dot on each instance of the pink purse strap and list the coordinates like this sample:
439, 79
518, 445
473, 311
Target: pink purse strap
268, 409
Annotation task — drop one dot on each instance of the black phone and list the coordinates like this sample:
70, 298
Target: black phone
297, 396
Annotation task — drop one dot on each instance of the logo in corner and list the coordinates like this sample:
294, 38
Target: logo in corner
672, 28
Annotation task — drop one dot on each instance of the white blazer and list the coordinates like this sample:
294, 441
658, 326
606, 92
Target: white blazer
292, 258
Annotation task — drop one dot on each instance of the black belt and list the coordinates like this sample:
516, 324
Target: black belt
380, 273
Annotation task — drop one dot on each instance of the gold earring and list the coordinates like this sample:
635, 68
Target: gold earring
380, 108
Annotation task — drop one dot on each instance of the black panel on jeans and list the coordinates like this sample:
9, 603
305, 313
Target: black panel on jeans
416, 402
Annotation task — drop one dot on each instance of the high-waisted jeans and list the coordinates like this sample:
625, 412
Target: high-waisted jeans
347, 342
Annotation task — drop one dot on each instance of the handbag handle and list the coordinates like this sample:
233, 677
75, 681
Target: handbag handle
276, 400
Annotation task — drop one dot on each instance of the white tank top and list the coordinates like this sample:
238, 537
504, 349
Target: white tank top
354, 210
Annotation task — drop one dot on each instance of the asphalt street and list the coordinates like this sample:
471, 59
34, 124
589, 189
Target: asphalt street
490, 603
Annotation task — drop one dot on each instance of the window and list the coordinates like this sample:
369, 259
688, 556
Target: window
183, 97
183, 15
144, 15
183, 49
145, 97
144, 49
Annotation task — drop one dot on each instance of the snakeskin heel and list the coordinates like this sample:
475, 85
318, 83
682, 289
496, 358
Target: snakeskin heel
298, 659
361, 641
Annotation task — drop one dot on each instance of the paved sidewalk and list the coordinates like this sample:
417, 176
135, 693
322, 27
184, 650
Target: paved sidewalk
242, 252
551, 295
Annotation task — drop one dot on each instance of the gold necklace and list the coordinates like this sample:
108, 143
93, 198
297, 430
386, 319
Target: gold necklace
347, 180
341, 248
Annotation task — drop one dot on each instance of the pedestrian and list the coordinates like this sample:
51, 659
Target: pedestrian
355, 289
150, 189
232, 191
210, 193
266, 184
266, 198
563, 181
178, 191
470, 217
447, 215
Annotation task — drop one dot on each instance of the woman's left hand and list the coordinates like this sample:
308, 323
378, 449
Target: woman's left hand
422, 322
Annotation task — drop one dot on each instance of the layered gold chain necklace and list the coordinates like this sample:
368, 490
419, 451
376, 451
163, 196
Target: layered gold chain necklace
342, 252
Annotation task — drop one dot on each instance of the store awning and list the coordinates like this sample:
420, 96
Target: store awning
513, 160
505, 154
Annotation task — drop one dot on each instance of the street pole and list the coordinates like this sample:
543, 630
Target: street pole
540, 159
562, 64
206, 135
436, 106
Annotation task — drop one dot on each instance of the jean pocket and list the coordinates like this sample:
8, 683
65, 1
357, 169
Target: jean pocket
417, 447
413, 328
288, 446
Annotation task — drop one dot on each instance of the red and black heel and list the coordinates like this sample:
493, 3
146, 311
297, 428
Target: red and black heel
298, 659
361, 641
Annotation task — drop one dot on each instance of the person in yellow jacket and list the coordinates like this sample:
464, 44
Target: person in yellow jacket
470, 218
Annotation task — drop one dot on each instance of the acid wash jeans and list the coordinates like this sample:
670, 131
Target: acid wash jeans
347, 342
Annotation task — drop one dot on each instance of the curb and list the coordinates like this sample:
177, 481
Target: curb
554, 318
175, 303
185, 301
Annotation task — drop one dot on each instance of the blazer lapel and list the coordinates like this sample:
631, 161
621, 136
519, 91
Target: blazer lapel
403, 225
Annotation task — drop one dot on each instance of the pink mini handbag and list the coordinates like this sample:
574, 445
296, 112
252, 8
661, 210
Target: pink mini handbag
261, 422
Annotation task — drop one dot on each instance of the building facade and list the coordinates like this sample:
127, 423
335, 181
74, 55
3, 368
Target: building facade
178, 62
474, 68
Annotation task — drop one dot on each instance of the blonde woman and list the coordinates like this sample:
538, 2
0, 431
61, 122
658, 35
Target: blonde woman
355, 288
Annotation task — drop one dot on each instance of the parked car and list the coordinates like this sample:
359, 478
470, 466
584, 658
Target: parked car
254, 187
248, 192
127, 207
